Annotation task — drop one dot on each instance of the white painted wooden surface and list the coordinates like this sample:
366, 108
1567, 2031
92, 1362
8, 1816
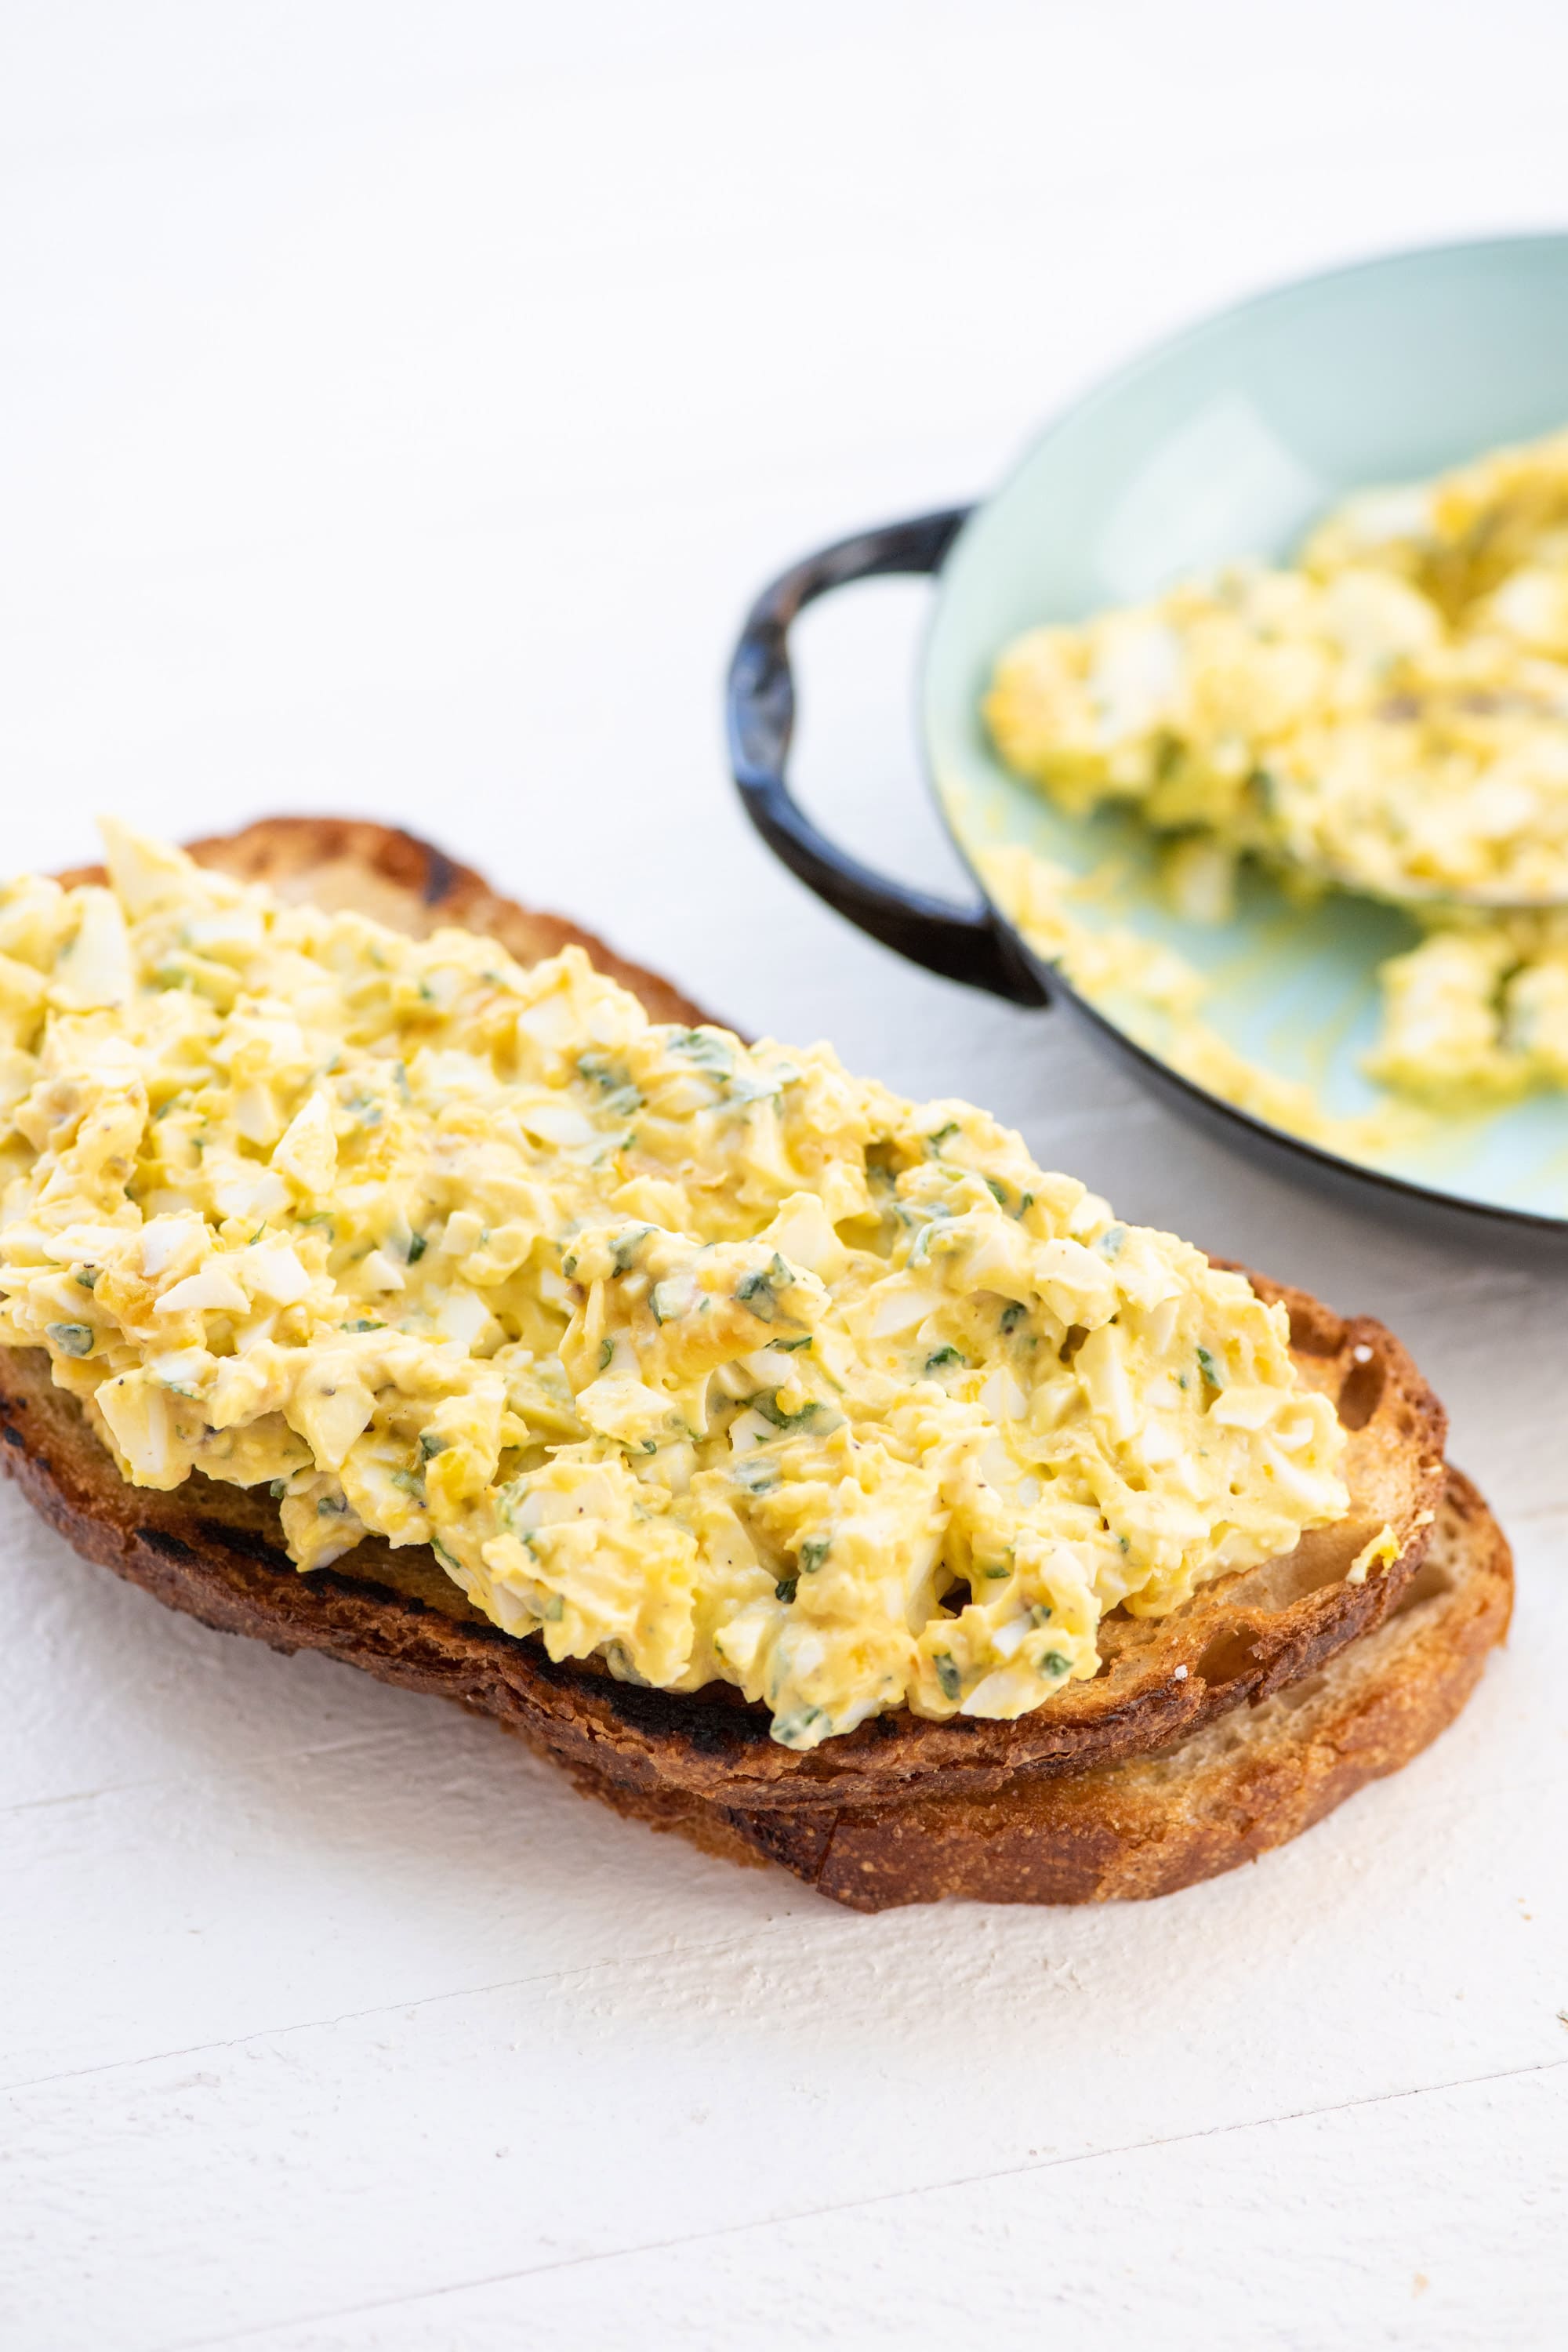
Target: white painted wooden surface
399, 404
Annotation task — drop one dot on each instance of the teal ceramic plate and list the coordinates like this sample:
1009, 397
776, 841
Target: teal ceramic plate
1228, 440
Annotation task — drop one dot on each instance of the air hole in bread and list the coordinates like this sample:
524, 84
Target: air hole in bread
1312, 1335
1299, 1693
1361, 1392
1429, 1582
1228, 1654
1321, 1558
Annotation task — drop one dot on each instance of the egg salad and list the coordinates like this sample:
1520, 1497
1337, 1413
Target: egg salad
709, 1361
1389, 717
1157, 997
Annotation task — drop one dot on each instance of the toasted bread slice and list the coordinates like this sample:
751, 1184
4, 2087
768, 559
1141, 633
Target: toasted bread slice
1151, 1824
216, 1551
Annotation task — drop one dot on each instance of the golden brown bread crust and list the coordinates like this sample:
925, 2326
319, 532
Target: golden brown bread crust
1151, 1824
216, 1551
1146, 1824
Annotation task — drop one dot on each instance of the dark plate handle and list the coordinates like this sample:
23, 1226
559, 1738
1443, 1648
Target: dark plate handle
962, 943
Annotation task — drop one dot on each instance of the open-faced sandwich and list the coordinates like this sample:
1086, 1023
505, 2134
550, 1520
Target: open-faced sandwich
390, 1272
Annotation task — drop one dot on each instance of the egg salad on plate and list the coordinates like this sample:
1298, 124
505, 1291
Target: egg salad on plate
707, 1360
1389, 716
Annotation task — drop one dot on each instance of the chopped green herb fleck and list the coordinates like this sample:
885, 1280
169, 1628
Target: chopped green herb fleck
443, 1555
942, 1357
568, 1266
1111, 1241
606, 1354
995, 1571
706, 1049
364, 1323
1210, 1370
767, 1403
756, 1477
943, 1133
625, 1247
784, 1589
755, 1293
947, 1675
278, 1490
790, 1730
417, 1245
1013, 1314
788, 1347
85, 1276
1055, 1665
430, 1443
71, 1339
813, 1552
745, 1088
998, 1192
1041, 1613
611, 1078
